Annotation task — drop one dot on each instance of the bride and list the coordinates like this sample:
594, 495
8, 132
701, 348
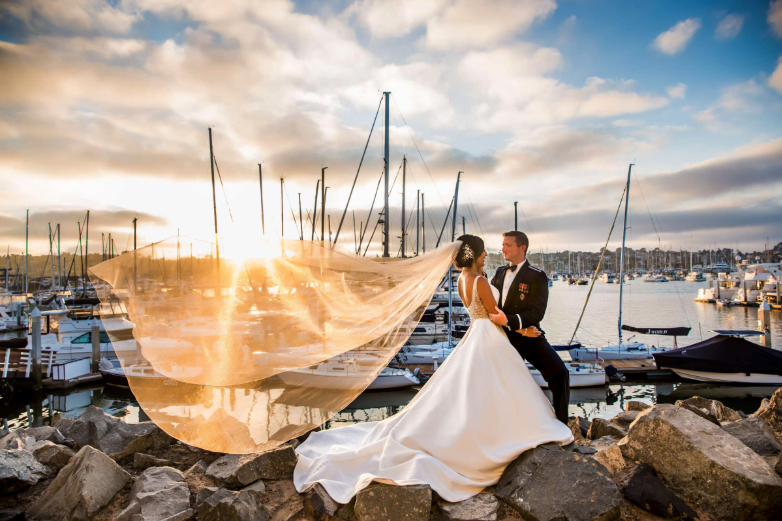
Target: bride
477, 413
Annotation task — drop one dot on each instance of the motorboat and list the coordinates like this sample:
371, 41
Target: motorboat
345, 374
581, 375
695, 276
655, 278
757, 278
724, 288
607, 277
727, 357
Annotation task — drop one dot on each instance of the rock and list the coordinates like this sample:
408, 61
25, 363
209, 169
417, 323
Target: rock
778, 466
636, 405
392, 503
318, 504
612, 459
703, 413
649, 492
347, 512
143, 461
755, 434
19, 470
257, 489
582, 449
237, 470
52, 455
82, 488
197, 470
481, 507
770, 411
11, 515
89, 427
582, 423
227, 505
204, 494
548, 483
52, 434
283, 500
624, 419
601, 427
603, 443
703, 463
713, 408
16, 440
128, 438
158, 493
575, 428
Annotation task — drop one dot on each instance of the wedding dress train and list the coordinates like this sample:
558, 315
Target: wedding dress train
478, 413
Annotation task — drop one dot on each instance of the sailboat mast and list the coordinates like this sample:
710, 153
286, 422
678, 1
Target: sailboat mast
260, 184
59, 259
301, 222
423, 228
622, 260
323, 203
385, 191
417, 220
26, 253
315, 210
404, 173
282, 210
515, 215
450, 268
214, 195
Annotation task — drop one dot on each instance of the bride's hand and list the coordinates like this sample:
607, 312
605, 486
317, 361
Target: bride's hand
499, 318
530, 331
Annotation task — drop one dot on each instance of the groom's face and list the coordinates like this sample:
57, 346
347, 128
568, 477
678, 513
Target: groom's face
510, 250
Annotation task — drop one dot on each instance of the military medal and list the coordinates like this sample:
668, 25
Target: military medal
522, 296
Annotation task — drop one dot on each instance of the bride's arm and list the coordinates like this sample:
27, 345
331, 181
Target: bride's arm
487, 297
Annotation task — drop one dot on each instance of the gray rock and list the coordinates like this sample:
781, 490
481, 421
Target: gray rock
601, 427
481, 507
770, 411
82, 488
636, 405
391, 503
88, 428
624, 419
52, 455
204, 494
648, 491
703, 413
318, 504
611, 458
52, 434
257, 489
582, 449
143, 461
604, 442
16, 440
755, 434
197, 470
19, 470
548, 483
227, 505
575, 428
158, 494
704, 464
238, 470
128, 438
583, 424
713, 408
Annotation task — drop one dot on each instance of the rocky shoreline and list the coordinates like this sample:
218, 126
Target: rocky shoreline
697, 459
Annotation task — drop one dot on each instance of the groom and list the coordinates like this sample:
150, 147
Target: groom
523, 298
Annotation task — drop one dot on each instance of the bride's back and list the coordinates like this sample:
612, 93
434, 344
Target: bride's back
476, 309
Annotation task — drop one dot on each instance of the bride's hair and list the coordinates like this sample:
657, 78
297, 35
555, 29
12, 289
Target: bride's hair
472, 248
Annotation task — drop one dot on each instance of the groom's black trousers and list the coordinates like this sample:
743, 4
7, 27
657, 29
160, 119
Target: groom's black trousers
542, 356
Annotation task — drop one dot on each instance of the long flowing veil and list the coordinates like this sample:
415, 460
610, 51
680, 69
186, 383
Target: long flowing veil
246, 350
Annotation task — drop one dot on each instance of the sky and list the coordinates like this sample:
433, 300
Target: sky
106, 105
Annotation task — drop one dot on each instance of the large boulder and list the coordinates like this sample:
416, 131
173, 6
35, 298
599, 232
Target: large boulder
19, 470
649, 492
705, 464
111, 435
611, 458
481, 507
636, 405
624, 419
228, 505
391, 503
601, 427
581, 422
16, 440
159, 493
84, 486
52, 455
714, 411
575, 428
755, 434
549, 483
52, 434
770, 411
319, 505
238, 470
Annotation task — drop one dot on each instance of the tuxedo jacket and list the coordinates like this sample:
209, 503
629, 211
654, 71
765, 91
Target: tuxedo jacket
526, 301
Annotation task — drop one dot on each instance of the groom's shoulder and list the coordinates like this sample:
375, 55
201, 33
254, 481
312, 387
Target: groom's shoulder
537, 271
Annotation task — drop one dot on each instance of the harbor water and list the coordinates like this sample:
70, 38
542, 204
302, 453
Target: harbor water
661, 305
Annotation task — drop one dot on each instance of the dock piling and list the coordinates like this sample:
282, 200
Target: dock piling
95, 338
35, 318
764, 321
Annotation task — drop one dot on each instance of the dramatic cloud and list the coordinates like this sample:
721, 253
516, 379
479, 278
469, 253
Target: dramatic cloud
775, 80
75, 15
675, 39
729, 27
677, 91
775, 17
396, 18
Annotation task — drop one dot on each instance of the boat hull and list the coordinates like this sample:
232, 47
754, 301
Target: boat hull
740, 378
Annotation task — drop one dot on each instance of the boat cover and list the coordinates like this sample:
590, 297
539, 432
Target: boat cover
723, 354
666, 331
13, 342
575, 345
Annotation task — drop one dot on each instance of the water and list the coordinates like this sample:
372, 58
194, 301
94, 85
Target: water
645, 305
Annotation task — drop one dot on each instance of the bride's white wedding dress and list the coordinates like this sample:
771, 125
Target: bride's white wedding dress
478, 413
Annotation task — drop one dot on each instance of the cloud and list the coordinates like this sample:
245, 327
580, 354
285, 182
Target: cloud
741, 96
480, 23
775, 17
677, 91
394, 19
775, 80
729, 27
95, 16
675, 39
625, 123
705, 116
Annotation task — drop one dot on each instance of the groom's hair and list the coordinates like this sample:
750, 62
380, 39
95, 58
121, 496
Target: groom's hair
520, 237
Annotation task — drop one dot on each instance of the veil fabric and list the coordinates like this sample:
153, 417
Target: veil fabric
242, 352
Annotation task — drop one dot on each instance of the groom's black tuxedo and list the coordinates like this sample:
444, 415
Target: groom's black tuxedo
525, 305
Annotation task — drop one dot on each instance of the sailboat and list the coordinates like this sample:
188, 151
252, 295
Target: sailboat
626, 350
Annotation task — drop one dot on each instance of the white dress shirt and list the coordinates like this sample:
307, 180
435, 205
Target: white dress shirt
509, 276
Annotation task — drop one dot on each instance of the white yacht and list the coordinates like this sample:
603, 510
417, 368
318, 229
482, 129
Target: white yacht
607, 277
723, 289
759, 280
695, 276
581, 375
344, 374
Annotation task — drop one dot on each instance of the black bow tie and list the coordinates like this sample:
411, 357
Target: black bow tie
513, 268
